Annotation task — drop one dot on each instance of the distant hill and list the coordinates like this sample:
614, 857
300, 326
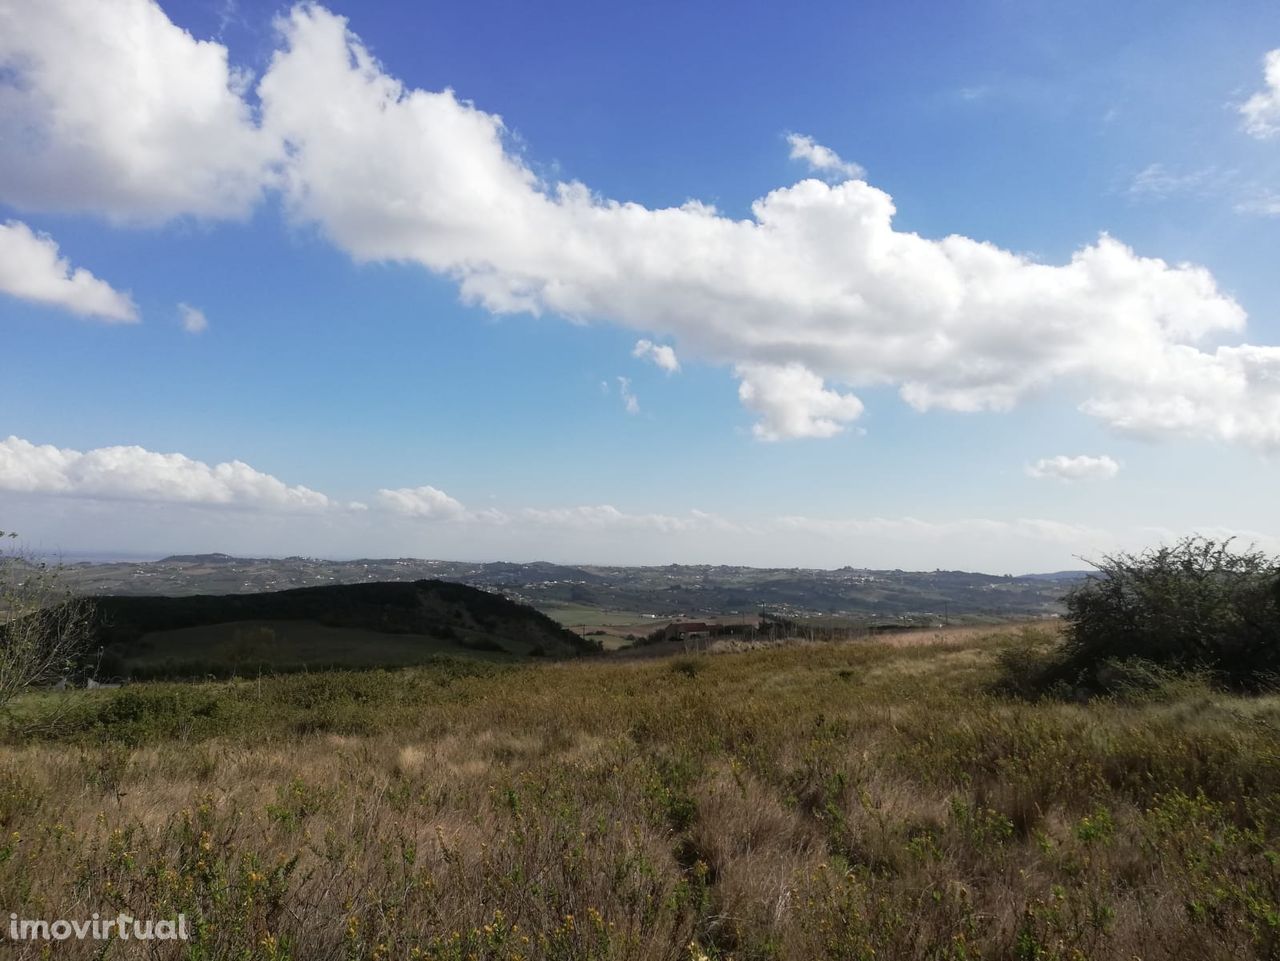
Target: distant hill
1056, 576
201, 559
571, 592
379, 624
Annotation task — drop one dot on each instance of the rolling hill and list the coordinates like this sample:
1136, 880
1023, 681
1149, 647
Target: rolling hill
341, 625
572, 593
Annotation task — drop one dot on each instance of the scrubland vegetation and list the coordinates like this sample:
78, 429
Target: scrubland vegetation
846, 801
1197, 608
1110, 790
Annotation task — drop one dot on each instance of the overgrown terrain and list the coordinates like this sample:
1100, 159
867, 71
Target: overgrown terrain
845, 801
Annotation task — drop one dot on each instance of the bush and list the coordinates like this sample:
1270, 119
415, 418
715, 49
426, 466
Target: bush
1023, 670
687, 666
1196, 606
45, 629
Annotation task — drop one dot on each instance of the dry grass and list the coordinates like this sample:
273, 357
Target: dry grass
849, 801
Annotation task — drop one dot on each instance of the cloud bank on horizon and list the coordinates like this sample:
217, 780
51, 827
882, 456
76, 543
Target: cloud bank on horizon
136, 474
125, 116
240, 508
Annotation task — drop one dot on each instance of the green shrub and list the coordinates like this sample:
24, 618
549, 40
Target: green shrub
1023, 670
687, 666
1196, 607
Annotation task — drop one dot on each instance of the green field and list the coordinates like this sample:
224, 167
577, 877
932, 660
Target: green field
619, 629
613, 629
576, 615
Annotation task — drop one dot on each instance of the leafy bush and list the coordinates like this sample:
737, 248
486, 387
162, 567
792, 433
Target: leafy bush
687, 666
1199, 605
1023, 669
1138, 680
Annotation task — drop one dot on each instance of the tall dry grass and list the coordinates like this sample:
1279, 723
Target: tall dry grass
848, 801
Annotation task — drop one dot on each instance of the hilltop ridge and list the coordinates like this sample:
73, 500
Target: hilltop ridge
648, 592
373, 624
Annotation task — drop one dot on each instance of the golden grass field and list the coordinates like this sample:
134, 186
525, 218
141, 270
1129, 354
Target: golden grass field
841, 801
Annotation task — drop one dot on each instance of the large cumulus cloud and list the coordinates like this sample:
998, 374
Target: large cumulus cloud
818, 285
111, 108
815, 295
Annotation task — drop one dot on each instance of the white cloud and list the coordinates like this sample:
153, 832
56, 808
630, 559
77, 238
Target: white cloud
1264, 202
193, 319
606, 517
431, 503
822, 160
134, 473
1261, 112
817, 282
110, 108
659, 354
31, 268
426, 501
1232, 394
629, 400
792, 402
1158, 182
913, 529
1081, 468
82, 500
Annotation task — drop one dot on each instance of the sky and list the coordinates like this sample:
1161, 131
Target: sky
987, 286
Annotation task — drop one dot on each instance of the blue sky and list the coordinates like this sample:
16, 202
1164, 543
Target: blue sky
414, 342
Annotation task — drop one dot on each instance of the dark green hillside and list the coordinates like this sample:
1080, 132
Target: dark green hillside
314, 627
